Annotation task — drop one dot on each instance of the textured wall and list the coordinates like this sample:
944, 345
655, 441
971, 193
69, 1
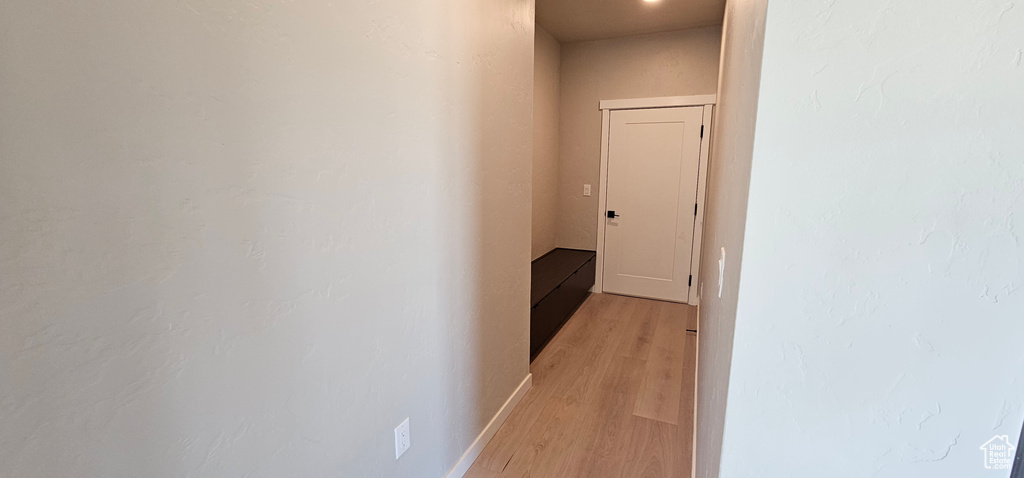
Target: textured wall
881, 315
732, 145
547, 59
666, 64
249, 238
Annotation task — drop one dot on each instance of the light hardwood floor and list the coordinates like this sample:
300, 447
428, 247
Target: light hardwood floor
612, 396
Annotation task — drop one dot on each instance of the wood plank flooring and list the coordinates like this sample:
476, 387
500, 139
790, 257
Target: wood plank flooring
612, 396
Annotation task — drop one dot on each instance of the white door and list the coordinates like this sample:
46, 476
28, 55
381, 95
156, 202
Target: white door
653, 161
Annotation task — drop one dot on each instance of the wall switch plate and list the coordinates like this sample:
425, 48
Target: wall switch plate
586, 190
721, 273
402, 440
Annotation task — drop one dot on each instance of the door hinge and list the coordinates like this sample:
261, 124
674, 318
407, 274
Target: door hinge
695, 209
690, 283
701, 131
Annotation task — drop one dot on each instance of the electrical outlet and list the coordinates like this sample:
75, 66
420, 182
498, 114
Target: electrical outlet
402, 440
586, 190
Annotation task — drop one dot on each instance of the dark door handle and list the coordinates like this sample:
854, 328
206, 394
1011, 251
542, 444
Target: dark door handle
612, 215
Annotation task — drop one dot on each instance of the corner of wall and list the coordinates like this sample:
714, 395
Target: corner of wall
725, 221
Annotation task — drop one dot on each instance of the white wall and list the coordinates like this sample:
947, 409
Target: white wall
732, 144
547, 60
665, 64
879, 323
249, 238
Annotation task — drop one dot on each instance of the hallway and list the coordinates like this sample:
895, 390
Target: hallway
612, 396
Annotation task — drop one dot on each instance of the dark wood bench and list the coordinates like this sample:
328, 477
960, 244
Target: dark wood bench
561, 280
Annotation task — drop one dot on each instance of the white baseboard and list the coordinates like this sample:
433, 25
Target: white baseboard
696, 372
485, 436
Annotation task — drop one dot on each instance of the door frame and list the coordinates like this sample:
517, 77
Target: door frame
607, 106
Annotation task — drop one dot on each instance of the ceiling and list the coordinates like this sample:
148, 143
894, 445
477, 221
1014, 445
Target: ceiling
578, 20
